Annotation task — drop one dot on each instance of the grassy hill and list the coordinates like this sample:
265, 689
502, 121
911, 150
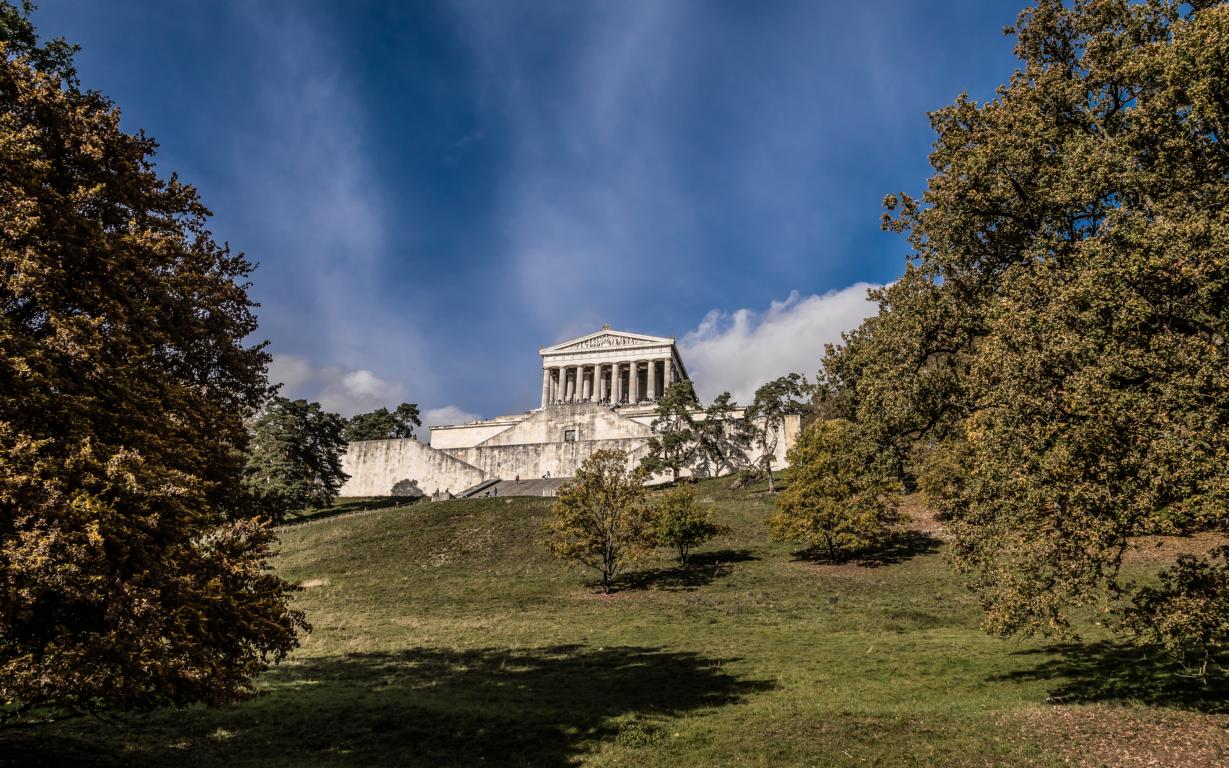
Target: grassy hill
445, 635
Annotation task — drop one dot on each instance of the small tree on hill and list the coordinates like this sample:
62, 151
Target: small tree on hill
674, 442
295, 459
837, 499
681, 524
600, 519
380, 424
766, 415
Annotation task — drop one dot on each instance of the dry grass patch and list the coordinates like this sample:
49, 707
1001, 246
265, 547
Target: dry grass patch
1128, 737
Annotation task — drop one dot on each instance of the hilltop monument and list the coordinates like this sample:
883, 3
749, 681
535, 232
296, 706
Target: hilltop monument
598, 391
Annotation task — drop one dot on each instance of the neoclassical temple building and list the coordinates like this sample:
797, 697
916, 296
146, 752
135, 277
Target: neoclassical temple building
610, 367
598, 391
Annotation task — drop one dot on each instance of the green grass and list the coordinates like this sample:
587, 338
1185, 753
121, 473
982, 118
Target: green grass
445, 635
348, 504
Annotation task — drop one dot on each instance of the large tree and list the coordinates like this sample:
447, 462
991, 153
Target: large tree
381, 424
131, 574
295, 458
1059, 345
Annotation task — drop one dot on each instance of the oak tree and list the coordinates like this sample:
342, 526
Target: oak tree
1058, 343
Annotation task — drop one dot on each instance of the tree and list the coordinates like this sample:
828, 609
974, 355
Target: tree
766, 416
722, 439
681, 524
600, 519
382, 425
131, 572
1058, 340
838, 497
674, 440
1187, 613
295, 459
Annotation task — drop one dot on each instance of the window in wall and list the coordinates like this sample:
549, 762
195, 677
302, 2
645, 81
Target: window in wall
569, 435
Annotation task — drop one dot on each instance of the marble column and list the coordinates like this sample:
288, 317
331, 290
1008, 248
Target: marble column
545, 386
633, 381
652, 382
616, 383
601, 382
586, 377
569, 383
669, 372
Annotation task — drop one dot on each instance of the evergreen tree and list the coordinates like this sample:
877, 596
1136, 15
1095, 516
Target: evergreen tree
382, 425
722, 439
674, 440
766, 416
295, 459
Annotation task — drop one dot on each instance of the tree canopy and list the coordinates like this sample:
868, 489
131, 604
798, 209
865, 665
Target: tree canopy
600, 518
380, 424
295, 458
674, 431
1057, 346
838, 497
766, 415
131, 572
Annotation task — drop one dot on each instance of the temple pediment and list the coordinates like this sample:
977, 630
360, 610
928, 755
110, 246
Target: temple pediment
607, 339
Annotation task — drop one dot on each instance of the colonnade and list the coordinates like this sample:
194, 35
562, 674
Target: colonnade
636, 381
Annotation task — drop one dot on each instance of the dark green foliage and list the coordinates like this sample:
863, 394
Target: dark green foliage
382, 425
295, 456
766, 415
722, 440
674, 441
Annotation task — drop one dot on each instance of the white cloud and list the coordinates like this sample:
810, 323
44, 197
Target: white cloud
336, 389
353, 391
738, 351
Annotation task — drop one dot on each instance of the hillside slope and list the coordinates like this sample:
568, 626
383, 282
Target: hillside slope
446, 635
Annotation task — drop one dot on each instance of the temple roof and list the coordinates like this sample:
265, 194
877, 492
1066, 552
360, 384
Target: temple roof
606, 339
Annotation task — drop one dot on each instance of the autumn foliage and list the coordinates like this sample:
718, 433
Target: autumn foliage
130, 572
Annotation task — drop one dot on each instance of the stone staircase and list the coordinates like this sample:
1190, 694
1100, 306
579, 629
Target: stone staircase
535, 487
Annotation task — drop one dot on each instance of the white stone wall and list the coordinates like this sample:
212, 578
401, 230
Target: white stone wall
375, 466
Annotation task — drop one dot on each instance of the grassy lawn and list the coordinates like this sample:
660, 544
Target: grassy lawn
445, 635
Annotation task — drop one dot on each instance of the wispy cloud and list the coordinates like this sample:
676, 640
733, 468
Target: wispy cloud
319, 195
740, 350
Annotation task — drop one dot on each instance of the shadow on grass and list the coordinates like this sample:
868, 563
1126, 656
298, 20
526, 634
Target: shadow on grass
702, 568
346, 508
427, 707
900, 548
1108, 671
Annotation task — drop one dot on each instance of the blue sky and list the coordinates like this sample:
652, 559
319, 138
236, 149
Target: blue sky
434, 190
